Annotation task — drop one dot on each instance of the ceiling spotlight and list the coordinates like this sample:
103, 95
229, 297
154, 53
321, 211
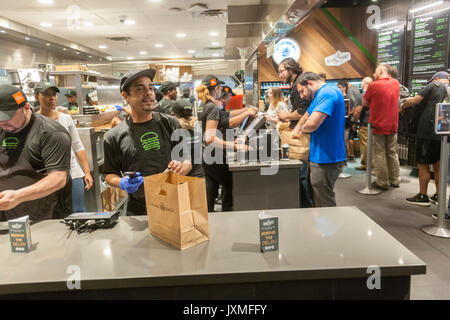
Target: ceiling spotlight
64, 49
181, 35
130, 58
45, 1
27, 38
215, 54
2, 31
191, 51
100, 59
45, 24
102, 47
87, 24
214, 43
47, 44
159, 45
90, 56
125, 20
213, 34
143, 52
78, 53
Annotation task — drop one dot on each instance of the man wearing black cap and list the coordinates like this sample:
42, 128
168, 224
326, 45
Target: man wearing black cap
142, 143
71, 103
428, 147
34, 161
169, 90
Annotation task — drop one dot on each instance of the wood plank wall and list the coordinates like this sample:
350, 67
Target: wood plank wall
319, 37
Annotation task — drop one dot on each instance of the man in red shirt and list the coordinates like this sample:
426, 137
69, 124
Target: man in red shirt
382, 98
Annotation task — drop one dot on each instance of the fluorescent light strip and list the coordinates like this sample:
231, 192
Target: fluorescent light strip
427, 6
385, 24
425, 14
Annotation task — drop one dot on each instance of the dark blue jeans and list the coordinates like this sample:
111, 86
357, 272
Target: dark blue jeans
78, 195
306, 199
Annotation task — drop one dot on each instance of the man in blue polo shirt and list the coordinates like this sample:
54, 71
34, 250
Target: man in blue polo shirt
325, 121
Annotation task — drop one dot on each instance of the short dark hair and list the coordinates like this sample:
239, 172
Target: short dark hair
323, 75
292, 65
343, 83
307, 76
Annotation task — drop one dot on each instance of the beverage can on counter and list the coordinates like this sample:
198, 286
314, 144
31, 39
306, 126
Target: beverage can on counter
285, 152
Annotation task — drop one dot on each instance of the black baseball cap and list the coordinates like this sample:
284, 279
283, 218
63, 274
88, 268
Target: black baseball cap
166, 86
70, 93
11, 99
43, 86
133, 75
181, 107
212, 81
227, 89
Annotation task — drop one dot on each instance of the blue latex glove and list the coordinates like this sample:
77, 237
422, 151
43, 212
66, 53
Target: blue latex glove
119, 108
131, 185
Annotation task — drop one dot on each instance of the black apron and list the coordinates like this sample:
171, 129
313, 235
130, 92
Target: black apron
16, 173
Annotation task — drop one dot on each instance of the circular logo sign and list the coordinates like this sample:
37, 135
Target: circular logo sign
286, 48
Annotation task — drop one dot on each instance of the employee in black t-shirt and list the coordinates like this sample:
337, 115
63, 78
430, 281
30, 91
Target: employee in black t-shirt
142, 143
428, 145
289, 70
71, 103
34, 161
169, 91
216, 170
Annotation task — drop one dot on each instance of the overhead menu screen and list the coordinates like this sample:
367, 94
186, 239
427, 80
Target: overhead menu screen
430, 46
390, 48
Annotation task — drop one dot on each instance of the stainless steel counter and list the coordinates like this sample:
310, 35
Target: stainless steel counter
323, 249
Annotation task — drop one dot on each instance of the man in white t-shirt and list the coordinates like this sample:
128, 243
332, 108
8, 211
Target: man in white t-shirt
79, 170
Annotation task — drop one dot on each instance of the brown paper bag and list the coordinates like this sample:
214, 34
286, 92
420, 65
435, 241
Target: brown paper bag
177, 209
298, 148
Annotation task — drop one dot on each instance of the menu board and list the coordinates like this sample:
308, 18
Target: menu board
430, 48
430, 44
390, 48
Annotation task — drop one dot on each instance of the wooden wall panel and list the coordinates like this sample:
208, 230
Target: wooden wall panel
319, 37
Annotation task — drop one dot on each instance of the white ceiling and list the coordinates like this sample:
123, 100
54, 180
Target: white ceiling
154, 24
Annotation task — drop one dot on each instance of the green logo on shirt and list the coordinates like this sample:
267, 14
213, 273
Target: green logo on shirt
10, 143
150, 141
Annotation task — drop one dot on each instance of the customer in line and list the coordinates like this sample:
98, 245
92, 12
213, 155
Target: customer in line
428, 144
276, 105
289, 72
79, 170
142, 143
34, 161
382, 98
350, 126
362, 115
325, 121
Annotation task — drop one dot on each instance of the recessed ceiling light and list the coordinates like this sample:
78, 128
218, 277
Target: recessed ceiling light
129, 21
102, 46
215, 54
90, 56
214, 43
143, 52
159, 45
213, 34
45, 1
46, 24
47, 44
27, 38
181, 35
2, 31
130, 58
87, 24
78, 53
191, 51
64, 49
100, 59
